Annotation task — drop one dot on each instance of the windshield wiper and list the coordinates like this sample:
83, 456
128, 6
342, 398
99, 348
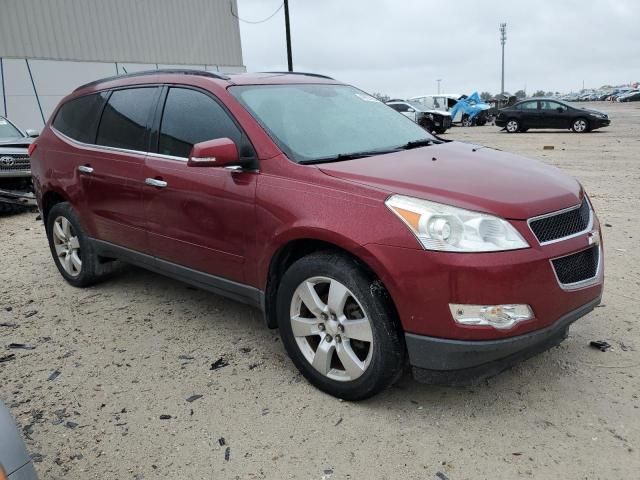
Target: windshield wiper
425, 142
347, 156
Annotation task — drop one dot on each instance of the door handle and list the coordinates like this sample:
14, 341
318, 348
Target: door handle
85, 169
154, 182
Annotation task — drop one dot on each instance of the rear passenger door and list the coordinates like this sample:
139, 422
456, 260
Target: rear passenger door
530, 115
114, 198
200, 217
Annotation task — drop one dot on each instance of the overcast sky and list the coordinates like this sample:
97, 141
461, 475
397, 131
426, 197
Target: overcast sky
401, 47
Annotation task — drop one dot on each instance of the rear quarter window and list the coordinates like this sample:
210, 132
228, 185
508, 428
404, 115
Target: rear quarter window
78, 118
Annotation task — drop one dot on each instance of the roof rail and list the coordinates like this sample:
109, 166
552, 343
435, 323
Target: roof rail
162, 71
303, 73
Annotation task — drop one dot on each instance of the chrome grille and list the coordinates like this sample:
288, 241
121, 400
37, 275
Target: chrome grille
14, 162
577, 267
564, 224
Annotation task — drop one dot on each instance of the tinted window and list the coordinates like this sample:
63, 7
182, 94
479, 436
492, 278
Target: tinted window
529, 106
78, 118
191, 117
547, 105
401, 107
125, 118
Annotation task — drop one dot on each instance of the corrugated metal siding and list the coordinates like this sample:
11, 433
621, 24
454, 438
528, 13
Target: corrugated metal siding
139, 31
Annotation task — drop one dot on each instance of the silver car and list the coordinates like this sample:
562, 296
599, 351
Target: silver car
15, 463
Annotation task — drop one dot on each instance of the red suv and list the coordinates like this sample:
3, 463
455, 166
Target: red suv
366, 240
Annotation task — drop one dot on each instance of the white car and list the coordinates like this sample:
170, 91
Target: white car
432, 120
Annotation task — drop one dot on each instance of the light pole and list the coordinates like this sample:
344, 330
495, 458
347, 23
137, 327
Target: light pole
288, 31
439, 80
503, 40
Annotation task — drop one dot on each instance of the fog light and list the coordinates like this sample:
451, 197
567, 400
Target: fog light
497, 316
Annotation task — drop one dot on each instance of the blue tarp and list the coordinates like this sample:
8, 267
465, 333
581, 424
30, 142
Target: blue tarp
471, 105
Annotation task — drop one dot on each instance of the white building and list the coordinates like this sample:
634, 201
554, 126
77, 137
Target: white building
48, 48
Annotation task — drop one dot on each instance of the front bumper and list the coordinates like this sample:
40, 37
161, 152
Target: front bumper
16, 197
600, 122
456, 362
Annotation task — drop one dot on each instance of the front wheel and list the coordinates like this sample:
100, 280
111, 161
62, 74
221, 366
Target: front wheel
339, 327
580, 125
512, 126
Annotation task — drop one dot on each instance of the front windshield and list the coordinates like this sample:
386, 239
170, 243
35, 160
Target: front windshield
318, 122
7, 130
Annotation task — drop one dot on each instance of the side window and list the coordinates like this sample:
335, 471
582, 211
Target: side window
191, 117
401, 107
552, 106
528, 106
78, 118
125, 117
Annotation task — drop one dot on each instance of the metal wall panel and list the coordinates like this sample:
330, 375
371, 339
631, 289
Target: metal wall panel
200, 32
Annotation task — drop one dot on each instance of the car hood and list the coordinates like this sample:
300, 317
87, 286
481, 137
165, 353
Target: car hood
15, 142
597, 112
437, 112
467, 176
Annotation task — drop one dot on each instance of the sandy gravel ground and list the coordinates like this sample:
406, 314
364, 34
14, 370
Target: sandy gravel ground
137, 347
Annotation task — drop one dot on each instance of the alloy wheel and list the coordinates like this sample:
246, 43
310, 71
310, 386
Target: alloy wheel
580, 125
331, 329
67, 246
512, 126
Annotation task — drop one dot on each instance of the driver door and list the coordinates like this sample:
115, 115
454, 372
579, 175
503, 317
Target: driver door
197, 217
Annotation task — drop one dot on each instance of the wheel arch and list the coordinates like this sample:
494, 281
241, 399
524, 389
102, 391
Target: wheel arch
49, 199
294, 249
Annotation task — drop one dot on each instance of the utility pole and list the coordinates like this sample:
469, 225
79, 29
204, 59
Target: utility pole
503, 40
439, 80
288, 30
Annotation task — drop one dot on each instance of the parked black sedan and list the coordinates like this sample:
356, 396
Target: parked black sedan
549, 113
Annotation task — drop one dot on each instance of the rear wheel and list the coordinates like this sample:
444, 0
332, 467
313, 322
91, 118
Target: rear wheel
72, 250
466, 121
580, 125
440, 131
512, 125
338, 326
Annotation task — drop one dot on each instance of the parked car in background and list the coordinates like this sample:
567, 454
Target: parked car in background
16, 189
363, 238
465, 110
434, 121
549, 113
15, 462
632, 96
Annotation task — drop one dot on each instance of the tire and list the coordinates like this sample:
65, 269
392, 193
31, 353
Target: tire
466, 121
440, 131
512, 126
364, 332
580, 125
72, 251
427, 125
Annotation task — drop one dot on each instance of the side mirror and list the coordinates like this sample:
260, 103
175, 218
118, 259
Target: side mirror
560, 109
31, 133
221, 152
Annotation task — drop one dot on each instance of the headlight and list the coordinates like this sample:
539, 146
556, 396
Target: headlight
451, 229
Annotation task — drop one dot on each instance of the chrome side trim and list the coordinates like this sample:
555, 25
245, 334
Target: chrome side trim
588, 282
91, 146
558, 212
166, 157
